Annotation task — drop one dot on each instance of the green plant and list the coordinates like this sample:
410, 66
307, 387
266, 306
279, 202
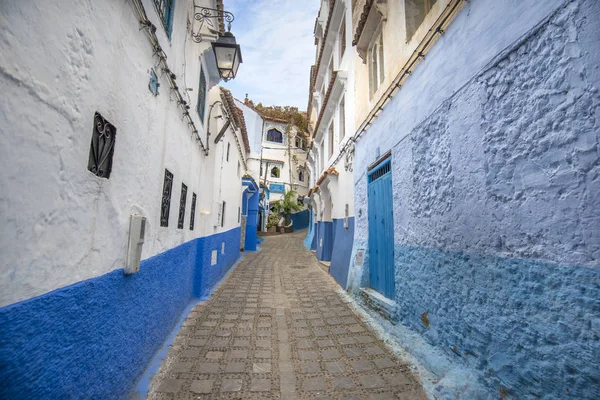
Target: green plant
273, 220
287, 205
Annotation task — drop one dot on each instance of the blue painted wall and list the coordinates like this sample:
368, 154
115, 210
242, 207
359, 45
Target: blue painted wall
341, 251
310, 236
95, 338
497, 200
325, 240
300, 219
533, 326
250, 209
315, 233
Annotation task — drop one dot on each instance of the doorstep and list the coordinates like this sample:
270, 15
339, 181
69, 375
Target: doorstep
380, 304
325, 265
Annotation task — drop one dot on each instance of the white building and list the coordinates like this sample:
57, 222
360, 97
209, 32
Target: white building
331, 116
278, 158
109, 109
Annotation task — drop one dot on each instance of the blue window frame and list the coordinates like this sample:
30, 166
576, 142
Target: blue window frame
165, 10
201, 96
273, 135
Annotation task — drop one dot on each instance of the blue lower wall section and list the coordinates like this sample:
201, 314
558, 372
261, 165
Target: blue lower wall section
313, 243
300, 220
324, 240
341, 250
531, 326
95, 338
207, 276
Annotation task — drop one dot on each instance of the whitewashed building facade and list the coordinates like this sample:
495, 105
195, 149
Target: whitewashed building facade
109, 109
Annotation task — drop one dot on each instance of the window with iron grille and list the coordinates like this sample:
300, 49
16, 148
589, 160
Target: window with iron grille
102, 147
165, 9
193, 212
223, 215
182, 201
228, 147
166, 198
201, 96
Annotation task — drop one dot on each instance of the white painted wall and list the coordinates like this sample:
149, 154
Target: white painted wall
340, 189
60, 62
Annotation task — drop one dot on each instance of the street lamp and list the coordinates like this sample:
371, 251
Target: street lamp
228, 55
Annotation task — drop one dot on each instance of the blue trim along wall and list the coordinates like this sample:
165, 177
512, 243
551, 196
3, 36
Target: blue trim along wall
310, 236
532, 326
341, 250
325, 240
94, 339
315, 233
300, 220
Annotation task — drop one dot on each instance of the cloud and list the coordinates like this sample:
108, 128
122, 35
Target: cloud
276, 37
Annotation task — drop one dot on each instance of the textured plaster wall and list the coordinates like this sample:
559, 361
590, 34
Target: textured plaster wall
496, 174
95, 338
59, 64
341, 250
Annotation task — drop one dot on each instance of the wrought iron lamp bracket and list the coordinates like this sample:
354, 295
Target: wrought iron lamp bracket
207, 15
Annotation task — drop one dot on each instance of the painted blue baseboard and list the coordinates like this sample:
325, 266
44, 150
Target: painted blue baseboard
527, 325
300, 220
341, 251
313, 242
324, 240
94, 339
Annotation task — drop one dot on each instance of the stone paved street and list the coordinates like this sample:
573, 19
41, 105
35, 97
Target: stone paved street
277, 328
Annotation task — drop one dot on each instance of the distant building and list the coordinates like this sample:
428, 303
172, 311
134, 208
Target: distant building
278, 160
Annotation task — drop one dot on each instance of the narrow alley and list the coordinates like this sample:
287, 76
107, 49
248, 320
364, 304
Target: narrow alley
278, 328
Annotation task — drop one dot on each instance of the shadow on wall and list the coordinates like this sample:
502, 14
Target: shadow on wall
95, 338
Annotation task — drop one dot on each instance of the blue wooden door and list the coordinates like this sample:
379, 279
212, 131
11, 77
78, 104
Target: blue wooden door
381, 229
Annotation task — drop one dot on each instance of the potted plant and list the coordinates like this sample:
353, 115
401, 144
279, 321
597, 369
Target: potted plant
272, 223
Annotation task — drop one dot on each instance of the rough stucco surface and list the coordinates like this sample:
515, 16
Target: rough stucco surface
341, 250
497, 206
95, 338
59, 64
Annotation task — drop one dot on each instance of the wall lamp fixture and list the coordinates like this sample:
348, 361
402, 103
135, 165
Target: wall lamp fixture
227, 52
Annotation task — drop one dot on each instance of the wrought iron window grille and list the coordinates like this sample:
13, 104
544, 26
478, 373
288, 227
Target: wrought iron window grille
206, 15
193, 212
102, 147
182, 201
166, 198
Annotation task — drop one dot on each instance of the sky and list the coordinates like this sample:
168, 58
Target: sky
277, 43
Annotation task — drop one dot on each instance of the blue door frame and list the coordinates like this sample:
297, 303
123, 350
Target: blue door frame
381, 229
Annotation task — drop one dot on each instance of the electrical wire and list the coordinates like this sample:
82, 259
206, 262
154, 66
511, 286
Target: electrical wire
150, 30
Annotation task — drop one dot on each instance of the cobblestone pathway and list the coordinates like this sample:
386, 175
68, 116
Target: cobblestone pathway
277, 329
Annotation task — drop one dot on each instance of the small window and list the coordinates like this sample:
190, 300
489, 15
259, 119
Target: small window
165, 206
239, 215
416, 11
201, 96
193, 212
375, 60
301, 176
182, 201
223, 215
102, 147
273, 135
238, 169
228, 147
275, 172
153, 85
165, 10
